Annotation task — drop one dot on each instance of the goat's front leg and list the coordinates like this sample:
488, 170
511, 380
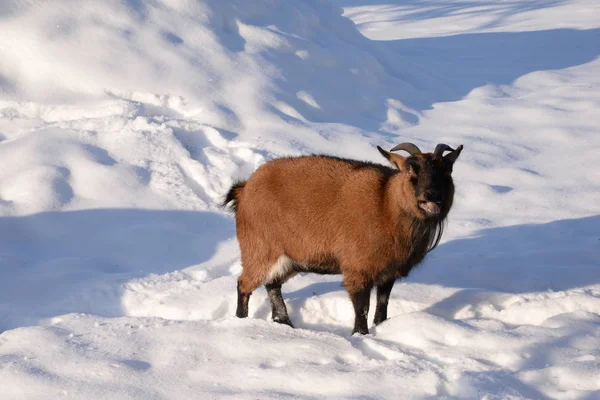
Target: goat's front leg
383, 297
360, 297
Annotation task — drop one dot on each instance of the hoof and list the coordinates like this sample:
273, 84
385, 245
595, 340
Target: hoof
364, 331
284, 321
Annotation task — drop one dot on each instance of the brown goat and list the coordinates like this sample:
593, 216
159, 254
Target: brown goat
329, 215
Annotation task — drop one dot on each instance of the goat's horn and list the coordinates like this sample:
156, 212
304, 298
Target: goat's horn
440, 149
409, 147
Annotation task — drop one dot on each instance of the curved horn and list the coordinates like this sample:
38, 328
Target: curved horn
409, 147
440, 149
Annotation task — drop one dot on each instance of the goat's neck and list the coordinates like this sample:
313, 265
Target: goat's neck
409, 230
399, 200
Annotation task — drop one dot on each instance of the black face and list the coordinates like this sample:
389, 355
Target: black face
432, 180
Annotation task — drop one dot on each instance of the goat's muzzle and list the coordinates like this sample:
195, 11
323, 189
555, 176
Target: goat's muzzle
431, 209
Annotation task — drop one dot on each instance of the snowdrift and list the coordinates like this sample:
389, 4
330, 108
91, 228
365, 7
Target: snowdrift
215, 85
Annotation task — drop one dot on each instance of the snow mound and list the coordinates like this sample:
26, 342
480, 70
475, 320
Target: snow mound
204, 59
164, 103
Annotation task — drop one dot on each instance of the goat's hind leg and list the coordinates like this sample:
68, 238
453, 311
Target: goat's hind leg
247, 283
279, 310
242, 302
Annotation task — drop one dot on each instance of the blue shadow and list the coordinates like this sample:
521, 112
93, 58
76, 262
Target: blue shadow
55, 263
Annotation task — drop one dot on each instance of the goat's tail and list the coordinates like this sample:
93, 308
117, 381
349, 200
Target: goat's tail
233, 196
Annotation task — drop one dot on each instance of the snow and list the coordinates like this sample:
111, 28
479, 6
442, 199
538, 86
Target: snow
123, 123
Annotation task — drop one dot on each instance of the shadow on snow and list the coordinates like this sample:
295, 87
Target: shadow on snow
431, 9
557, 256
422, 72
468, 61
61, 262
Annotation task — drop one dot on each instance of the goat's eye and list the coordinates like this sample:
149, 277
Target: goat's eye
414, 165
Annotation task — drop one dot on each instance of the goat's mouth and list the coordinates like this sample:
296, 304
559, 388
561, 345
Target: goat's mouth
430, 208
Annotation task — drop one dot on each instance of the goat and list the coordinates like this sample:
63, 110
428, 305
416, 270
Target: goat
330, 215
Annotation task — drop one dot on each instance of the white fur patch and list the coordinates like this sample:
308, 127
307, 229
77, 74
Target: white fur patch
280, 268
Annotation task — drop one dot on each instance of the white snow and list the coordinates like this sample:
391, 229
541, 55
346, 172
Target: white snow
123, 123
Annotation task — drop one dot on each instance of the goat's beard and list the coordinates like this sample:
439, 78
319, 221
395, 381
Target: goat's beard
427, 233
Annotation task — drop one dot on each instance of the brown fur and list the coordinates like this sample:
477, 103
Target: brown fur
331, 215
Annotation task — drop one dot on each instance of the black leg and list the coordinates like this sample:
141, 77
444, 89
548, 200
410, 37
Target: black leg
360, 301
383, 296
242, 303
280, 314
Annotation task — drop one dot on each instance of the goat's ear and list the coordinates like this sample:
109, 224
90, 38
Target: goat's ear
396, 160
453, 155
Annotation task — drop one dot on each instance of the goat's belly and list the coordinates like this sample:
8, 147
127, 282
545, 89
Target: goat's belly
325, 266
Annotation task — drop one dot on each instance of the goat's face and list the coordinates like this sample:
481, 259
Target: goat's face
432, 182
429, 178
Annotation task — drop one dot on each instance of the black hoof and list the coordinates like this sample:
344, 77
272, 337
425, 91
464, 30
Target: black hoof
284, 321
361, 331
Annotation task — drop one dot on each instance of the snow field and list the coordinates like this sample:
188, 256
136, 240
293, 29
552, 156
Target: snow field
390, 20
122, 123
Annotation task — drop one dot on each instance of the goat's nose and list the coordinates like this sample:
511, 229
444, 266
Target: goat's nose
433, 196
